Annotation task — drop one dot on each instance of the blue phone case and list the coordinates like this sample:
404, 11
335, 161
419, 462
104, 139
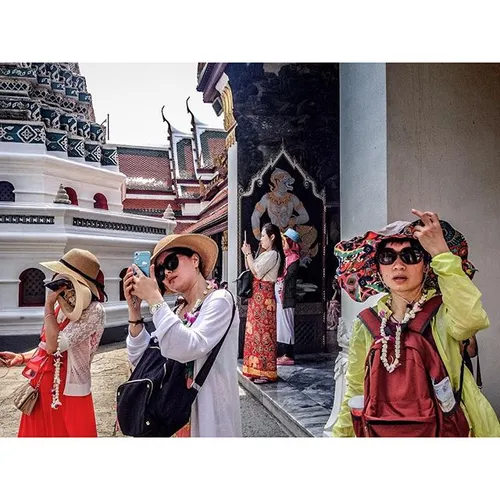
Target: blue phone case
142, 261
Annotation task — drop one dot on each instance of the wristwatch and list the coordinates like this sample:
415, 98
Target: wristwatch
156, 307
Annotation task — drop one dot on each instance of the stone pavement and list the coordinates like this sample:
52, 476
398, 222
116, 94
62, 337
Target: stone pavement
302, 398
109, 369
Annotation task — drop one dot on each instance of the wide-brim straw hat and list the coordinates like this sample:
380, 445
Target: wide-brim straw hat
83, 298
357, 271
204, 246
80, 264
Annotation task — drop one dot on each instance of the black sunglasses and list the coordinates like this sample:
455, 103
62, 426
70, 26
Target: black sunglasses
409, 256
170, 263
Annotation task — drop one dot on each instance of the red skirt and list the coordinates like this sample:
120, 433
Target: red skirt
75, 418
260, 349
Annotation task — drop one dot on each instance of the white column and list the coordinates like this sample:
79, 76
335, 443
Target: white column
363, 184
232, 217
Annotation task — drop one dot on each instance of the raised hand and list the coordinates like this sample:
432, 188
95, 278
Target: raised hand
430, 235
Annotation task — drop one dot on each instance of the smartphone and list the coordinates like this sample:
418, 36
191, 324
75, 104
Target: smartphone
55, 285
244, 236
143, 261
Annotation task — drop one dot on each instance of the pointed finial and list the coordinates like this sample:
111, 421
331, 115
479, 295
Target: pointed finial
169, 213
62, 196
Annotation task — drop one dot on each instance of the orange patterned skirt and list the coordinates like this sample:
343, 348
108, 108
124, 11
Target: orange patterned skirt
260, 349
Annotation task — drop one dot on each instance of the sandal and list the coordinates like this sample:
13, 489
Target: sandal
285, 361
261, 380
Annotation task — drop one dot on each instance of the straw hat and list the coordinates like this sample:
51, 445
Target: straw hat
82, 265
204, 246
83, 298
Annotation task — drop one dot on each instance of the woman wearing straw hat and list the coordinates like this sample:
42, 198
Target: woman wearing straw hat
181, 264
419, 264
260, 349
285, 290
60, 365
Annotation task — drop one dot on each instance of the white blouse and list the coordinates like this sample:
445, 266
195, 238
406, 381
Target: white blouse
216, 410
81, 339
266, 266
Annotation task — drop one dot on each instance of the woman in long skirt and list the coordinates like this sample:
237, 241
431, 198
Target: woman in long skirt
260, 349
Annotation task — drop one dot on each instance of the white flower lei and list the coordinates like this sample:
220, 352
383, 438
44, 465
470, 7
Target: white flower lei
390, 367
56, 403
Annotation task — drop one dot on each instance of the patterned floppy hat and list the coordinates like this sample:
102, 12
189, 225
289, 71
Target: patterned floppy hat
357, 271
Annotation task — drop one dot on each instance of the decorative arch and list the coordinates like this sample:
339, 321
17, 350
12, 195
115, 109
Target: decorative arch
122, 275
100, 201
31, 288
73, 197
7, 191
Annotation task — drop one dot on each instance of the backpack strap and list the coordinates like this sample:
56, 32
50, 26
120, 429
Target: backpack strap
371, 320
205, 369
423, 318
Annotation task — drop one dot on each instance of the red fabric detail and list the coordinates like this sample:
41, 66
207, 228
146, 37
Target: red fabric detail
403, 403
76, 416
260, 348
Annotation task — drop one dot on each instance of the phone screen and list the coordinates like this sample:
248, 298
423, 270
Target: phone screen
143, 261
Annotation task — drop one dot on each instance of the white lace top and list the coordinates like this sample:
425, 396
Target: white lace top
266, 266
81, 339
216, 410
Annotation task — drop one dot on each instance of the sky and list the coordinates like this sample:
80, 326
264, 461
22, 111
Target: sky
133, 94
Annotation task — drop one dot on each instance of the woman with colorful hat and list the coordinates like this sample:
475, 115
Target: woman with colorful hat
417, 264
60, 366
182, 264
285, 292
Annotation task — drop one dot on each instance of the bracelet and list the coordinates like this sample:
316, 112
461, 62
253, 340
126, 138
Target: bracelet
22, 356
155, 307
247, 254
138, 322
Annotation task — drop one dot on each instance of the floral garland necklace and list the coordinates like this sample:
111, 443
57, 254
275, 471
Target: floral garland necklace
384, 338
189, 317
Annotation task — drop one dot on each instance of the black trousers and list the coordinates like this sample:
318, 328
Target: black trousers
286, 350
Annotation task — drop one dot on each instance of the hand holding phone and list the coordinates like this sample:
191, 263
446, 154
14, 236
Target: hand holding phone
55, 285
143, 261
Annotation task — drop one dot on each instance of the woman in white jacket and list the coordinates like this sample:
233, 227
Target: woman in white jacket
181, 264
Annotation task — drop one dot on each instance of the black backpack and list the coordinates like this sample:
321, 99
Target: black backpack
155, 401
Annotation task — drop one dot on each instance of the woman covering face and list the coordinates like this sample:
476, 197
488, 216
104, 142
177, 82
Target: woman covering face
60, 366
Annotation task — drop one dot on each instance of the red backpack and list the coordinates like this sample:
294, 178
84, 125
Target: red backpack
416, 399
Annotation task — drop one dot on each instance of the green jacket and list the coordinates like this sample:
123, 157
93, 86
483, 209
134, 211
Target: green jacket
460, 316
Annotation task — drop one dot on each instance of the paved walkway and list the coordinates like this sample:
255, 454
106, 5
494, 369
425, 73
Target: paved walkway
109, 369
302, 399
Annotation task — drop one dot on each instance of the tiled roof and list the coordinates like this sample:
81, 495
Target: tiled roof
185, 159
141, 203
212, 145
218, 215
146, 164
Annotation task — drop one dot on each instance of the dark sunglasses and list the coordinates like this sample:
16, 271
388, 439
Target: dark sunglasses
409, 256
170, 263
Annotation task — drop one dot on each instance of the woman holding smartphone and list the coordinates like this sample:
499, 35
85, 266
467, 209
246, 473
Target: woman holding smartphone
59, 367
181, 264
260, 349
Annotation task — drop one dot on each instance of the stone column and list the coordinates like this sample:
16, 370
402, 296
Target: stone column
363, 183
224, 256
